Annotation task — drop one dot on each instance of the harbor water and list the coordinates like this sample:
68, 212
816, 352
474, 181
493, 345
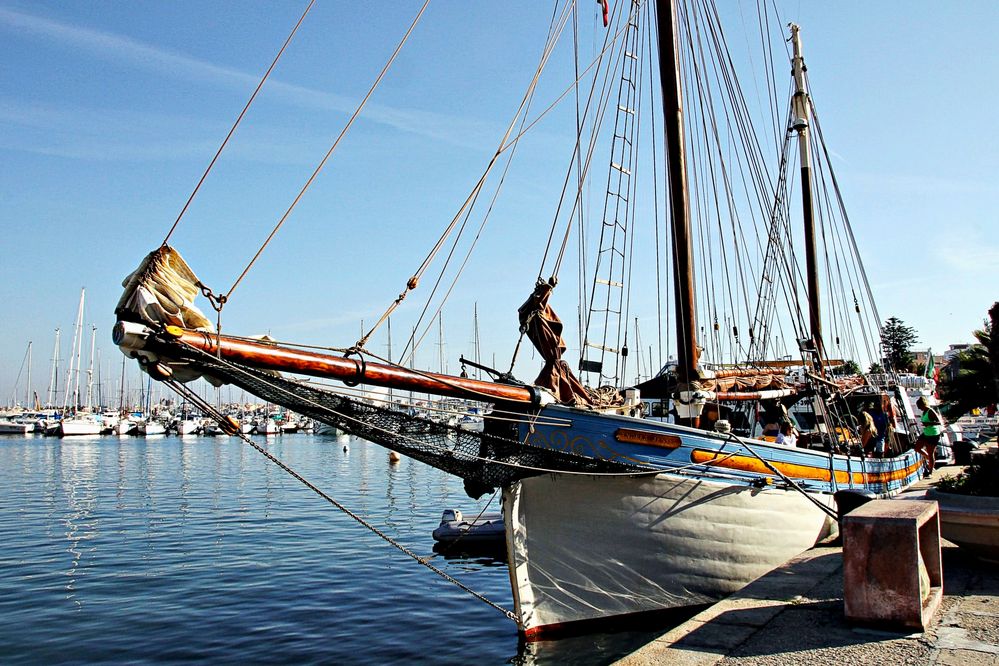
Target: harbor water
166, 549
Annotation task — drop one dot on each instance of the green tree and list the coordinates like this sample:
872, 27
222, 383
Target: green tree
993, 346
848, 368
975, 383
897, 340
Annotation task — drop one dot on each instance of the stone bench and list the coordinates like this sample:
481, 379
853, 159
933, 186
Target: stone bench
892, 576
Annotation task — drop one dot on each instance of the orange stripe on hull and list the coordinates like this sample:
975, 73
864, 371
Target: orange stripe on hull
796, 471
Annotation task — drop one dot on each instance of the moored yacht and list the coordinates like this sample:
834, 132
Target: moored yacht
83, 423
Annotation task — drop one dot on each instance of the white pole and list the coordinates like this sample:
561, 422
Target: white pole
27, 393
73, 359
90, 369
54, 374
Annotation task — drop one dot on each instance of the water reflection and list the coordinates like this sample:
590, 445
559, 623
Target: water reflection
79, 472
200, 548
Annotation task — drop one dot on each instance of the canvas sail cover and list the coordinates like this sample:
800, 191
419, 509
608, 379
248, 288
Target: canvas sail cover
750, 381
161, 292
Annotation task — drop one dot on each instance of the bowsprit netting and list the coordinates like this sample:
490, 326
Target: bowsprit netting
485, 460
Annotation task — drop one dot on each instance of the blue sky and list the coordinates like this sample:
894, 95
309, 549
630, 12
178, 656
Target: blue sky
109, 112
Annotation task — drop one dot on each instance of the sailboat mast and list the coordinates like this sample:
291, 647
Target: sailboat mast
391, 397
475, 329
121, 389
440, 341
90, 369
683, 274
801, 106
27, 392
74, 359
54, 375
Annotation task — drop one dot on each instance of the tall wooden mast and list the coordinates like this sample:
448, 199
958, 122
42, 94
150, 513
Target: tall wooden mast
802, 114
683, 274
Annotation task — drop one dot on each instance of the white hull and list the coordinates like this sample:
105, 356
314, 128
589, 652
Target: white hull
126, 427
15, 428
267, 427
75, 427
109, 422
151, 428
188, 427
325, 429
473, 424
586, 548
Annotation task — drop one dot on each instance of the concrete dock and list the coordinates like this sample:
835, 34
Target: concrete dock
794, 615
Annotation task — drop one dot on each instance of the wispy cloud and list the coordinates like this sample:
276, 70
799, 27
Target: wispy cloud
453, 130
921, 184
125, 135
969, 254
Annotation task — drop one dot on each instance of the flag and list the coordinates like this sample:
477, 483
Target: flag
606, 10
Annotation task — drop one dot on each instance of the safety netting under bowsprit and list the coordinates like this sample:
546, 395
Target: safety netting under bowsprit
483, 459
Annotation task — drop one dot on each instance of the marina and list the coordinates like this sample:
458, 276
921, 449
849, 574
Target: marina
205, 551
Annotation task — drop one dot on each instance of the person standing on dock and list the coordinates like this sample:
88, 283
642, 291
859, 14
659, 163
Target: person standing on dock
926, 445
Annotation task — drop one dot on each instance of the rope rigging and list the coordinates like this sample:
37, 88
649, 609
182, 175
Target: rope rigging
414, 342
329, 153
613, 253
466, 208
239, 119
734, 192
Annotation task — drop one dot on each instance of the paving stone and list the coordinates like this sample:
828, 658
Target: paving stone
789, 617
984, 628
714, 635
966, 658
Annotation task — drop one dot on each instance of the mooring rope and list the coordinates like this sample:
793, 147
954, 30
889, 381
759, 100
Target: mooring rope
227, 424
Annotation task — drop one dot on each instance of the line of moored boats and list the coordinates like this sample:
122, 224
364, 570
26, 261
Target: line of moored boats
163, 422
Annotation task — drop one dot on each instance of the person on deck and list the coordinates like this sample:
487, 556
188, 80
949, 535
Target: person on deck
786, 436
866, 429
926, 445
875, 446
771, 426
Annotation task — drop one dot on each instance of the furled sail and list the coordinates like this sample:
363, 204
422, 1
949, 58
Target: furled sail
544, 329
748, 381
161, 291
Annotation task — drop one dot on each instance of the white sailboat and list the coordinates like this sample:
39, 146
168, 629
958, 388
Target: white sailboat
127, 426
13, 426
188, 426
81, 421
150, 426
267, 426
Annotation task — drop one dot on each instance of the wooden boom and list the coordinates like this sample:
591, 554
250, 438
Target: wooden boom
269, 356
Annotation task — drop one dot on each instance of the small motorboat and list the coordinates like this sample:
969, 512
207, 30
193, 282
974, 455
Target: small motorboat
487, 528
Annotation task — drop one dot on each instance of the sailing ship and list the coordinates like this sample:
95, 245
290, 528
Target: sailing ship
620, 497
